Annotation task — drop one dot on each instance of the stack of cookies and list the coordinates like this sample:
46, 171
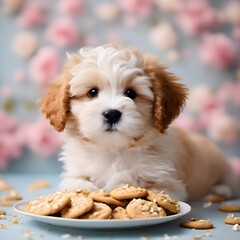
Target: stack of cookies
126, 202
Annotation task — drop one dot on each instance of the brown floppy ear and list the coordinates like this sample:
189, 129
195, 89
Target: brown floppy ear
55, 103
169, 95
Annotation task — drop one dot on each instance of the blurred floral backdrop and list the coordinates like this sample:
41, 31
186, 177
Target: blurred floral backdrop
198, 39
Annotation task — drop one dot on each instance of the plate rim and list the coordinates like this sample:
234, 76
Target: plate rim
98, 223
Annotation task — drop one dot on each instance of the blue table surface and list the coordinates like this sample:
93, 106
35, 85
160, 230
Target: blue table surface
170, 230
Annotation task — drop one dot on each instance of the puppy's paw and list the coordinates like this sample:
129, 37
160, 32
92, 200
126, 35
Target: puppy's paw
69, 183
222, 190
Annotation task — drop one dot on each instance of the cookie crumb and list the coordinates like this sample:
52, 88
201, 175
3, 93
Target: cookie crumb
236, 227
28, 234
207, 234
207, 204
3, 226
14, 221
167, 237
197, 238
66, 235
2, 217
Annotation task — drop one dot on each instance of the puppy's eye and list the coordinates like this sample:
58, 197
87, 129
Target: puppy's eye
93, 92
130, 93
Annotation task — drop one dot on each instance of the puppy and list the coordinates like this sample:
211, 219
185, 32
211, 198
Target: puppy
114, 106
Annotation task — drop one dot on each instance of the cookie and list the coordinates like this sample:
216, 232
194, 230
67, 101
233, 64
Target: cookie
128, 192
38, 185
99, 211
77, 191
47, 205
5, 203
79, 205
196, 223
164, 201
119, 213
13, 196
140, 208
214, 198
2, 212
106, 198
4, 186
231, 219
229, 208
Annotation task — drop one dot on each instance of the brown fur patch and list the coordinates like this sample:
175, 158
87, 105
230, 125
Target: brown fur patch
55, 103
169, 95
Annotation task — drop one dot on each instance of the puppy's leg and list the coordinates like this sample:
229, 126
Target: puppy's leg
230, 187
68, 183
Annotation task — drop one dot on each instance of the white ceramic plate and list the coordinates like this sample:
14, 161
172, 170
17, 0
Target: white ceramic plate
101, 224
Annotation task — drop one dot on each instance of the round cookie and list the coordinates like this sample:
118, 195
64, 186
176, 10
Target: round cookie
229, 208
106, 198
79, 205
164, 201
140, 208
196, 223
128, 192
231, 219
119, 213
47, 205
77, 191
99, 211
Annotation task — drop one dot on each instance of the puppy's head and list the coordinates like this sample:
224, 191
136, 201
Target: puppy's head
113, 95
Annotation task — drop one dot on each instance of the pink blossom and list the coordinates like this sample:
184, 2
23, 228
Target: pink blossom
10, 145
226, 91
107, 12
218, 51
200, 97
236, 32
8, 123
224, 128
63, 33
130, 21
187, 122
196, 16
232, 12
9, 148
33, 14
235, 162
45, 66
230, 91
71, 7
42, 139
169, 5
211, 110
141, 8
163, 36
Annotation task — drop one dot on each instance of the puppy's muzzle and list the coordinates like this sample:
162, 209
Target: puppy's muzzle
111, 118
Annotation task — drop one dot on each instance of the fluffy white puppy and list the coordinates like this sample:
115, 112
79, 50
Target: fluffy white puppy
114, 106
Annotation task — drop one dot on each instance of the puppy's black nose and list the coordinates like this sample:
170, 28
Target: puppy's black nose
112, 116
